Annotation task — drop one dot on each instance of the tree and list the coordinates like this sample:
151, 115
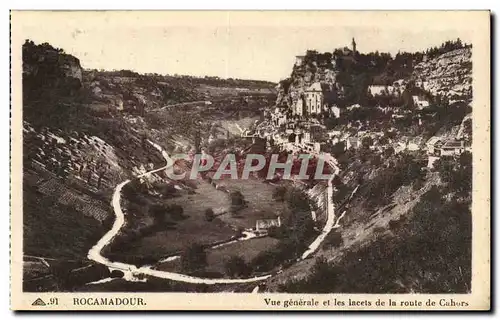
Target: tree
194, 258
133, 189
237, 200
279, 193
388, 152
61, 271
167, 190
237, 267
175, 211
102, 168
367, 142
276, 232
209, 214
158, 212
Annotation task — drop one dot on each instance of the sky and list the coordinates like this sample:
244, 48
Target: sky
247, 45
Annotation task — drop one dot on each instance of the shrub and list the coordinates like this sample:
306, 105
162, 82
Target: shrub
209, 214
194, 259
279, 193
116, 274
394, 224
334, 239
237, 267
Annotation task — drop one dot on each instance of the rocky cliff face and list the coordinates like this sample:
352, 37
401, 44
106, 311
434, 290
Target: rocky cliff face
49, 71
315, 69
449, 74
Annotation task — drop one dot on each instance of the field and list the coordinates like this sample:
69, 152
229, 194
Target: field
194, 229
260, 202
217, 257
245, 249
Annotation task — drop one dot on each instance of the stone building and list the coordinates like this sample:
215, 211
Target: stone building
314, 98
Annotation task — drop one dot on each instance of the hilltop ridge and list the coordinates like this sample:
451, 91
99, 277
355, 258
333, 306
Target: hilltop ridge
347, 75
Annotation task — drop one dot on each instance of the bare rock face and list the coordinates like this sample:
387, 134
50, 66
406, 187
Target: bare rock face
49, 71
71, 68
449, 74
304, 75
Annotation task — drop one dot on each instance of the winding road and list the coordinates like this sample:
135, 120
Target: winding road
330, 208
131, 271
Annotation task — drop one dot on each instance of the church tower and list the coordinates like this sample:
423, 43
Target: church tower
353, 45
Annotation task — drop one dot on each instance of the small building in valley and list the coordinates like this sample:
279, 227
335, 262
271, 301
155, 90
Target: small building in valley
262, 225
434, 145
415, 144
452, 147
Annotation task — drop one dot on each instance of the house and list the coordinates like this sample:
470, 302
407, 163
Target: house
335, 111
313, 147
431, 161
314, 98
298, 107
318, 133
262, 225
306, 137
434, 145
353, 142
420, 102
278, 118
400, 146
399, 83
414, 144
354, 106
384, 109
334, 133
334, 140
452, 147
377, 90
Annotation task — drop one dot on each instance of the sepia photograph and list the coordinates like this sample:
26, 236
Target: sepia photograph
209, 152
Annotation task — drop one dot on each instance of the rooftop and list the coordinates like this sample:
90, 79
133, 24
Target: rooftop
315, 87
453, 144
433, 140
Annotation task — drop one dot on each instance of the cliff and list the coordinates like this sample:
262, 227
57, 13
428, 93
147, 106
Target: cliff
48, 71
314, 68
449, 74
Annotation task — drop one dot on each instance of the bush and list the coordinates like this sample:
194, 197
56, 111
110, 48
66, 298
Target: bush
209, 214
236, 198
194, 259
117, 274
417, 185
237, 267
276, 232
279, 193
394, 225
134, 189
334, 239
160, 213
175, 211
